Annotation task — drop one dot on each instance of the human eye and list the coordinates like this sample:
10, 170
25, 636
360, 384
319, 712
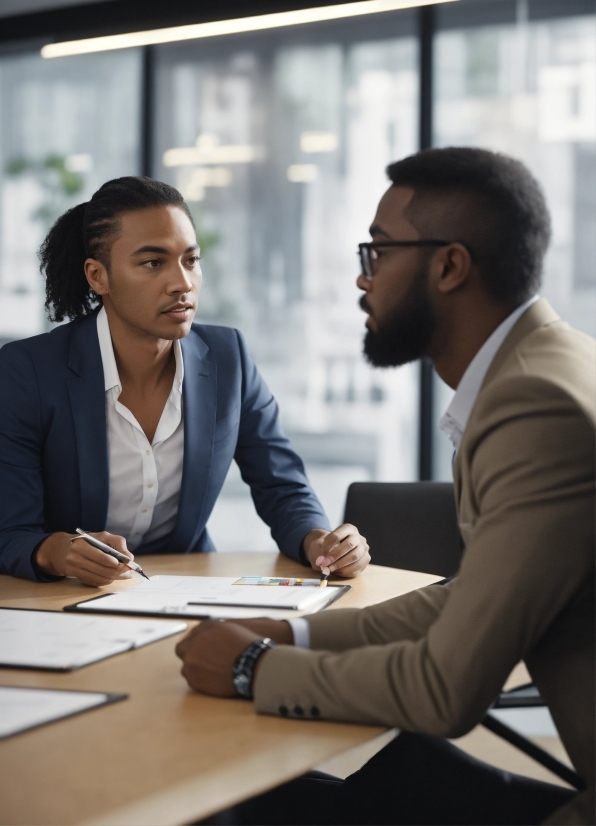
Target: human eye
193, 260
151, 263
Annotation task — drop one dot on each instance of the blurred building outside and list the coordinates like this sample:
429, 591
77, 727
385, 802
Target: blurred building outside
279, 144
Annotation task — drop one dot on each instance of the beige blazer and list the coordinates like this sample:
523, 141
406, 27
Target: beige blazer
434, 660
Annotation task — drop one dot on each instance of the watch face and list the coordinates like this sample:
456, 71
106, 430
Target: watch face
242, 685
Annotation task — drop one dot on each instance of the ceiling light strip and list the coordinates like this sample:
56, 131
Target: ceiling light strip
223, 27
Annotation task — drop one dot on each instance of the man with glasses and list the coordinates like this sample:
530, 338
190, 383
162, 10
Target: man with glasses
452, 274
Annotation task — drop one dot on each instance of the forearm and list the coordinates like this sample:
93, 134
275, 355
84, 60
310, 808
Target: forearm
407, 617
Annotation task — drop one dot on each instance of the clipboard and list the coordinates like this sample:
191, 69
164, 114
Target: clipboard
202, 611
50, 641
25, 708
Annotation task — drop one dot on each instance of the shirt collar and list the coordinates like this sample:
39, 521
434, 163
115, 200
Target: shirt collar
454, 422
110, 368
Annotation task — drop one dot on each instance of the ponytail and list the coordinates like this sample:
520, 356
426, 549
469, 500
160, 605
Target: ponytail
62, 258
87, 231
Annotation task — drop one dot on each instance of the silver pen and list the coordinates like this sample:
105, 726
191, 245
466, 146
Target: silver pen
111, 551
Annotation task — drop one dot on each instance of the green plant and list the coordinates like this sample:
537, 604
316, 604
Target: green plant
58, 183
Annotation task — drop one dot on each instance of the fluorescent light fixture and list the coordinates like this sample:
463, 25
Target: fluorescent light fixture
302, 173
207, 151
318, 142
193, 188
222, 27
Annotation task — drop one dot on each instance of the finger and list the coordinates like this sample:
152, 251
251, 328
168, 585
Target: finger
83, 550
75, 566
336, 537
82, 553
88, 578
354, 568
348, 551
114, 541
348, 545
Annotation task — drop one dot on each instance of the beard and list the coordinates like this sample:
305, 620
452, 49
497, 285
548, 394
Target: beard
407, 335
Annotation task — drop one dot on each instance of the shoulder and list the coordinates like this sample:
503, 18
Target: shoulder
553, 364
216, 342
46, 356
216, 335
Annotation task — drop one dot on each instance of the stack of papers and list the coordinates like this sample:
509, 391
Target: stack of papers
62, 642
200, 597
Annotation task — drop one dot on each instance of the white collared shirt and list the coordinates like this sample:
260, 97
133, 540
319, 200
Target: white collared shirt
457, 414
455, 419
145, 478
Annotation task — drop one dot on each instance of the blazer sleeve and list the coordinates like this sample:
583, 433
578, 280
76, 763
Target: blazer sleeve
275, 473
21, 482
532, 473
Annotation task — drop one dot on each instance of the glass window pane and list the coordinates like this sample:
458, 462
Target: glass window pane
280, 147
529, 90
66, 126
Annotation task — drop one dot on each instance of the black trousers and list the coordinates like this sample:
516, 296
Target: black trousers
416, 779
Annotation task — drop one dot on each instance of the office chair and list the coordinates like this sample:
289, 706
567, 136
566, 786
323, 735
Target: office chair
413, 525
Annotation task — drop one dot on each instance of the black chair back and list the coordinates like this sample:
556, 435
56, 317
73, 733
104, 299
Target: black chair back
407, 525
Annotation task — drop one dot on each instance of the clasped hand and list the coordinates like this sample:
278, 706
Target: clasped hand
343, 551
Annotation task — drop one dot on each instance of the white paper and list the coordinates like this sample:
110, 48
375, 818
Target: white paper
24, 708
50, 639
213, 596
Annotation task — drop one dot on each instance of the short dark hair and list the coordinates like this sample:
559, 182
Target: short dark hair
488, 201
87, 231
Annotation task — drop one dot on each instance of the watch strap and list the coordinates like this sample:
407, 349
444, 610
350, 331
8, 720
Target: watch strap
243, 670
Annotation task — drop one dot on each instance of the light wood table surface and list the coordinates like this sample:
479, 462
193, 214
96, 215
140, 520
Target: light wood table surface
166, 755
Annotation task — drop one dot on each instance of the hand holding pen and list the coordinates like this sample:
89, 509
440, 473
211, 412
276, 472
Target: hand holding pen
62, 554
124, 558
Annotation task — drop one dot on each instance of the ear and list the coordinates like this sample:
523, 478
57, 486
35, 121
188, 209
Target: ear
450, 268
97, 276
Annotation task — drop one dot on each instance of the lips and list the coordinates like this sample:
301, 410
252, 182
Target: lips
180, 312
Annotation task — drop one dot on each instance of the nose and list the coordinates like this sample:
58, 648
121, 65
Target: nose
363, 283
181, 281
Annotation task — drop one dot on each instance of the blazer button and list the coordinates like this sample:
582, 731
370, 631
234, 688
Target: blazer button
298, 711
315, 711
283, 711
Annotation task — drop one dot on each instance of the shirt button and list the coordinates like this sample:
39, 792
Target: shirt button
283, 711
298, 711
150, 485
315, 711
148, 452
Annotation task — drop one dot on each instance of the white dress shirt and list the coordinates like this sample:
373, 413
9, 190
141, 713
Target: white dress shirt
457, 414
144, 478
455, 419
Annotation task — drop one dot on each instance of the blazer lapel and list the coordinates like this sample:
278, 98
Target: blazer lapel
87, 401
199, 400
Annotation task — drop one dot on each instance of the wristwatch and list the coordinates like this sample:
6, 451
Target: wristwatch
244, 668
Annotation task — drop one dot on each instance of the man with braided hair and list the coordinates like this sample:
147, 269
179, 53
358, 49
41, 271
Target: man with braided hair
125, 421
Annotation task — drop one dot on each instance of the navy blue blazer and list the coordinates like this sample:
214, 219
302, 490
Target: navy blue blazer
54, 455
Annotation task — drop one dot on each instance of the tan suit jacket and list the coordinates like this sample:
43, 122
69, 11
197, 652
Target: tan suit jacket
434, 660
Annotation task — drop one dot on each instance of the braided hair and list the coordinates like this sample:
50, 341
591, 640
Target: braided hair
87, 231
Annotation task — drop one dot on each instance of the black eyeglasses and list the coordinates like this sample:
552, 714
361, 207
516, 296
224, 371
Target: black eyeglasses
368, 252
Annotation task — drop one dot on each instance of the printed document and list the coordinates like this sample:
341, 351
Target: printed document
57, 641
197, 596
25, 708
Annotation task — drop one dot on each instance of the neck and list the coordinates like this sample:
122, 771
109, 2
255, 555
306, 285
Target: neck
142, 359
461, 337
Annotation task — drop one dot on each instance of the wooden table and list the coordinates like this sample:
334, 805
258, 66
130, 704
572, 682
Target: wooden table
166, 755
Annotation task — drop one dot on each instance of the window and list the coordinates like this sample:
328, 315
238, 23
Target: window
66, 127
280, 147
528, 89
